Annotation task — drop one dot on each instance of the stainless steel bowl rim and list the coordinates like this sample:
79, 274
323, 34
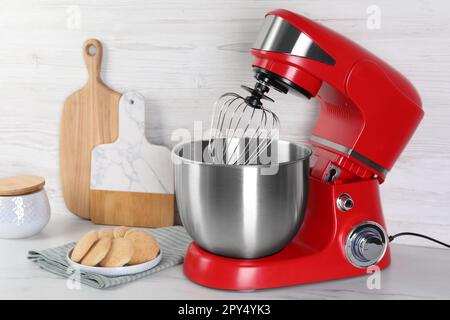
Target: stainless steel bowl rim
178, 147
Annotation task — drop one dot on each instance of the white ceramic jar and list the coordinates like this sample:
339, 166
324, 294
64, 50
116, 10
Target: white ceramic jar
24, 207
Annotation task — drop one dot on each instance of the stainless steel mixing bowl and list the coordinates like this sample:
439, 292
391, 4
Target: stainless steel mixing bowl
242, 211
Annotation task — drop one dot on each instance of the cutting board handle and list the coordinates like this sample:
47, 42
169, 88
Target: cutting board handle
93, 53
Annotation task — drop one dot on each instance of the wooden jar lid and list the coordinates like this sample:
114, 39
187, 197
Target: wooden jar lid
20, 185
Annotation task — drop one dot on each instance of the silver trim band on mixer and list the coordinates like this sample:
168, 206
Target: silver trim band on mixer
278, 35
350, 152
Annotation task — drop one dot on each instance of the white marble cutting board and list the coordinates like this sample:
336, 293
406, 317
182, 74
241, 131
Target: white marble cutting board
131, 163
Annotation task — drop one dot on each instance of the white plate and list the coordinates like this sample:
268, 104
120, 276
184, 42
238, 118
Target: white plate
115, 271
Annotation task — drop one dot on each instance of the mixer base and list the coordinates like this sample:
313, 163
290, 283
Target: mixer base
291, 266
316, 254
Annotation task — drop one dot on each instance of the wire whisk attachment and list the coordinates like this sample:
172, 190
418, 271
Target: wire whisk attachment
242, 129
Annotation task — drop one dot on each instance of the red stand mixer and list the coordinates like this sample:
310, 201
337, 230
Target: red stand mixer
368, 113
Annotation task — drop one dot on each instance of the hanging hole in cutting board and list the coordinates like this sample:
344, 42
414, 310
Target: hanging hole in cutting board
91, 50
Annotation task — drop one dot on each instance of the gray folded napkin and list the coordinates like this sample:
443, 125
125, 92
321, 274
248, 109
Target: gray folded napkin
173, 243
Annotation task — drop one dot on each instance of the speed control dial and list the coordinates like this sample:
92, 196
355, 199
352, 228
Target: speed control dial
366, 244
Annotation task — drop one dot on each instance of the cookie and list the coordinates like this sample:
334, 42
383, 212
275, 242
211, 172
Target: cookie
97, 253
130, 231
146, 247
106, 233
83, 246
119, 232
120, 254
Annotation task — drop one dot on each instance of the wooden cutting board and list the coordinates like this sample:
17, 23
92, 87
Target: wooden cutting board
90, 117
131, 179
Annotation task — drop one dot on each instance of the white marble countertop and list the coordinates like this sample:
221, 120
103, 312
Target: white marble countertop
416, 272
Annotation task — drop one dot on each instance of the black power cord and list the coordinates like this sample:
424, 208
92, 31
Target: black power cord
391, 238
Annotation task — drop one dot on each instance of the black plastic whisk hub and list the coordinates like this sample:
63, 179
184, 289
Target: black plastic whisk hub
257, 94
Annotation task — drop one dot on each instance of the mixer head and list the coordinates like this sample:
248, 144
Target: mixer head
242, 128
355, 89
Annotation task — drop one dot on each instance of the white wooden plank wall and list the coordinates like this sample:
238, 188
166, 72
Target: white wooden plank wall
183, 54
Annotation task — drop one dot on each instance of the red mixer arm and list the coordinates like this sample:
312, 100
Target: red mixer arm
369, 111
